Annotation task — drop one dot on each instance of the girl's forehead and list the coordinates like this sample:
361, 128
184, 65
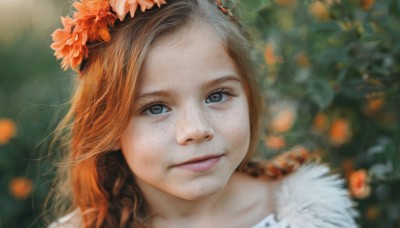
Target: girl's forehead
188, 35
192, 54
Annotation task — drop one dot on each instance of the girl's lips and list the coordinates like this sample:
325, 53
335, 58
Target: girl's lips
200, 164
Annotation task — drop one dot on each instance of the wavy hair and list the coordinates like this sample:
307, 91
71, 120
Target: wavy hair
96, 180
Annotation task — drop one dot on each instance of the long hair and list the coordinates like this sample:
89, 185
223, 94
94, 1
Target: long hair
93, 178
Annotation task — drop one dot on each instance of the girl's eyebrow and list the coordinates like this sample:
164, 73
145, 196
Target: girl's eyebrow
220, 80
160, 93
207, 85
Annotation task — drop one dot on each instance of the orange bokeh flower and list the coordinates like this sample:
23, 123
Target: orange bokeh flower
319, 10
302, 60
20, 187
321, 122
275, 142
358, 184
7, 130
286, 3
269, 55
373, 106
122, 7
69, 43
366, 4
94, 17
340, 132
283, 120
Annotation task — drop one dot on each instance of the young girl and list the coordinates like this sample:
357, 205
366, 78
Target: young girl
164, 123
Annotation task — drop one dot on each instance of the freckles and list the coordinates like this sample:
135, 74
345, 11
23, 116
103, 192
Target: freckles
149, 135
234, 120
235, 130
235, 126
147, 143
159, 135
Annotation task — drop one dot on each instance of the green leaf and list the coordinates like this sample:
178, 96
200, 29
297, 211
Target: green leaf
370, 37
330, 55
325, 27
321, 93
342, 75
394, 8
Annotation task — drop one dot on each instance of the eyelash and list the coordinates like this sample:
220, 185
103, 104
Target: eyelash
151, 104
226, 91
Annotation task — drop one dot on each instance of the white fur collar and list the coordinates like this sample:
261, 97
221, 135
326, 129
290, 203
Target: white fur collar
313, 198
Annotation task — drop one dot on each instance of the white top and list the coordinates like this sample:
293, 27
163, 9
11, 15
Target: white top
309, 198
271, 222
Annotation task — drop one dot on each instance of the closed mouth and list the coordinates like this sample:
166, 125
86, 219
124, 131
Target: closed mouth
199, 159
200, 164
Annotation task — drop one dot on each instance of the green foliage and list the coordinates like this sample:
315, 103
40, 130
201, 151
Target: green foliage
337, 62
32, 91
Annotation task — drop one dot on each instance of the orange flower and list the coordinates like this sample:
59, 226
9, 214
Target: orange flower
319, 10
20, 187
373, 106
366, 4
340, 132
302, 60
7, 130
69, 43
287, 3
283, 120
269, 55
320, 122
358, 185
94, 17
275, 142
122, 7
90, 22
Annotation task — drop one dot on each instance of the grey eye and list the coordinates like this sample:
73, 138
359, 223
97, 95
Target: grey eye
156, 109
215, 97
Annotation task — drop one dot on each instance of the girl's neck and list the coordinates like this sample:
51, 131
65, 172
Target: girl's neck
165, 207
233, 199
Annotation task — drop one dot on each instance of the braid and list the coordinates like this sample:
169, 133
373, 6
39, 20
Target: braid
280, 166
124, 197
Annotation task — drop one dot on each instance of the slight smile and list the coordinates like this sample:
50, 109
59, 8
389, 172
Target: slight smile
200, 164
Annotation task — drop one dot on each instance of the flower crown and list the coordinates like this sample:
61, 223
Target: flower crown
91, 22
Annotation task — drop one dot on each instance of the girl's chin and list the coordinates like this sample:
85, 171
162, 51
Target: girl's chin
201, 191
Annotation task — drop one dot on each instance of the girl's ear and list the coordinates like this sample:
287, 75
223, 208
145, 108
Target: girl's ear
116, 146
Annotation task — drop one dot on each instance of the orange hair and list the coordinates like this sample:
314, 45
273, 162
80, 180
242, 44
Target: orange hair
95, 179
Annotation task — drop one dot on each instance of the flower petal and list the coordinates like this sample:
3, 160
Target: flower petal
104, 34
121, 9
133, 9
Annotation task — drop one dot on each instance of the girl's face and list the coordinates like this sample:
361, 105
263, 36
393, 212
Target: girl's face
191, 126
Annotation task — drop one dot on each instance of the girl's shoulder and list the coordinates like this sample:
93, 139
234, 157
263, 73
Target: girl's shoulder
312, 197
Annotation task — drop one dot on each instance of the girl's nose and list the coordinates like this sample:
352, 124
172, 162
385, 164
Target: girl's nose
193, 126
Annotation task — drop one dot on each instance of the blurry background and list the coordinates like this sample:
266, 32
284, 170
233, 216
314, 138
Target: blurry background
330, 70
32, 90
